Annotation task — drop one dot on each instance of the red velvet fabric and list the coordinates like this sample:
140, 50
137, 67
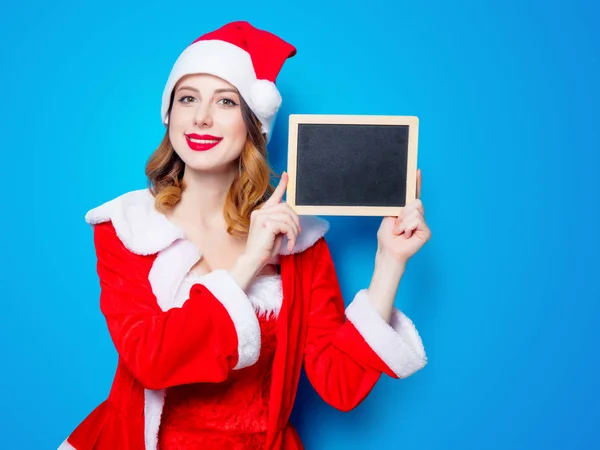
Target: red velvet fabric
197, 343
227, 415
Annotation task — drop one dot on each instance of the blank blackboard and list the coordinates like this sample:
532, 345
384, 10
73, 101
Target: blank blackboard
351, 165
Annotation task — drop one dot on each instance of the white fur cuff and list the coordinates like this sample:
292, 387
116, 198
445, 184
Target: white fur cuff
239, 307
398, 344
66, 446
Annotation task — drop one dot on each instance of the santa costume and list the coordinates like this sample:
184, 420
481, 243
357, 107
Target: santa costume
202, 363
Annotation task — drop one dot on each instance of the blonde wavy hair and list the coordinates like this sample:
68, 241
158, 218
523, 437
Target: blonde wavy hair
249, 190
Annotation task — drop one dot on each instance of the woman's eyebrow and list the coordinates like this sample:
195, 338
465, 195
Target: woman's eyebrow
217, 91
220, 91
189, 88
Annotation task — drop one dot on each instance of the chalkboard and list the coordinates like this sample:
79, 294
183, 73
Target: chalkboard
345, 165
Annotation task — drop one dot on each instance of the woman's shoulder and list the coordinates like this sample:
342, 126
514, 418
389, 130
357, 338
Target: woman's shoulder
137, 223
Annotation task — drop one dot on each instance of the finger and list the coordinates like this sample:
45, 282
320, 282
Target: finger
406, 225
406, 211
419, 206
401, 215
291, 244
415, 205
287, 209
279, 227
293, 215
410, 226
419, 182
277, 244
413, 213
279, 191
407, 221
286, 218
398, 223
404, 232
420, 213
418, 224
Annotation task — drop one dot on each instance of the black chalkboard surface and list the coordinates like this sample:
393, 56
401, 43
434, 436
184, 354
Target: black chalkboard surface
351, 165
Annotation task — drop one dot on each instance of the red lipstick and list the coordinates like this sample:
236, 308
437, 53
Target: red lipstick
201, 142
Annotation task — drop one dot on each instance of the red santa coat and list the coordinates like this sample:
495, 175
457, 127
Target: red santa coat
143, 264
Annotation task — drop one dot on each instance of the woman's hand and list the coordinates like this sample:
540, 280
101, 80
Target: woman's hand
269, 224
399, 238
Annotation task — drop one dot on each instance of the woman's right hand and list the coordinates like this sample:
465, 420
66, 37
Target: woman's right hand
269, 224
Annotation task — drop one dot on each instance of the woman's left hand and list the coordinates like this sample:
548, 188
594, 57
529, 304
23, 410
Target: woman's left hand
401, 237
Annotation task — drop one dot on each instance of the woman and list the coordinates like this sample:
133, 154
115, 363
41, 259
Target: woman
216, 293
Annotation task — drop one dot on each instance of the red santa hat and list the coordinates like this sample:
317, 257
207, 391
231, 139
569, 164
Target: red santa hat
248, 58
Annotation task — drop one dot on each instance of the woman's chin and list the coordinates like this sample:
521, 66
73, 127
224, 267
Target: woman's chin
210, 167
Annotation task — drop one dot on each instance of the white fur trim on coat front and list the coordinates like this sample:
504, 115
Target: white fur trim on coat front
168, 271
145, 231
154, 402
265, 295
398, 343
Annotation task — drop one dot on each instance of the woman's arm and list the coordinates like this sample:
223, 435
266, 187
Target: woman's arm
214, 332
384, 284
346, 351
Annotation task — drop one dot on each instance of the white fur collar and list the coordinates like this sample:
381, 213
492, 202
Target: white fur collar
145, 231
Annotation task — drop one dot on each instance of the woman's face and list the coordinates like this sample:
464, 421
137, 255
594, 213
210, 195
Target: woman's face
206, 127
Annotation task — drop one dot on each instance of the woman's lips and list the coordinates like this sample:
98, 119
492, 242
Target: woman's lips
201, 143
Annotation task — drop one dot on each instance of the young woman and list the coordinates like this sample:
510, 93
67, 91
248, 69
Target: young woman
216, 293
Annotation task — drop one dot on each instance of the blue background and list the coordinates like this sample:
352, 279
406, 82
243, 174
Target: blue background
505, 295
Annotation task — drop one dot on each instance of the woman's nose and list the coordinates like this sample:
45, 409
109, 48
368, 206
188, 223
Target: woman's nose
203, 116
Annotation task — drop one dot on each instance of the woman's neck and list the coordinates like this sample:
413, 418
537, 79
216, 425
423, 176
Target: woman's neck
203, 199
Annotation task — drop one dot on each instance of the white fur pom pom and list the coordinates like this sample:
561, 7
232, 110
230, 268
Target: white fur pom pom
265, 98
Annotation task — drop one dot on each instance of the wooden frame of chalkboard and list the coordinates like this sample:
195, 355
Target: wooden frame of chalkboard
376, 157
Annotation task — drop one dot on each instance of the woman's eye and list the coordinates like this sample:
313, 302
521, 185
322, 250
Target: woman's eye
187, 99
227, 102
